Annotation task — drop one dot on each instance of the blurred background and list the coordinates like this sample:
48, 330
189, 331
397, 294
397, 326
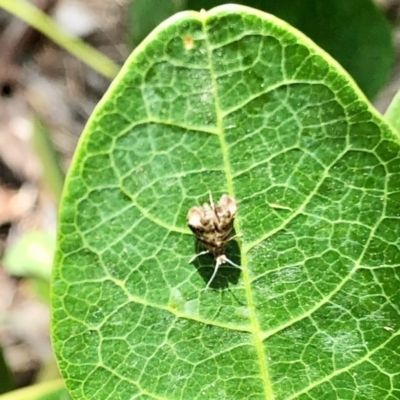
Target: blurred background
47, 95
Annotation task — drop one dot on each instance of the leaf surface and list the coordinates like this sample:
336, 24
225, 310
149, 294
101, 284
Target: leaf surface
355, 33
231, 101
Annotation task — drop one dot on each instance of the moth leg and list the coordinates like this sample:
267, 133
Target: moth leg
198, 255
226, 259
219, 261
217, 264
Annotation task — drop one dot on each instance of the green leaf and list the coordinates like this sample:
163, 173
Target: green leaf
231, 101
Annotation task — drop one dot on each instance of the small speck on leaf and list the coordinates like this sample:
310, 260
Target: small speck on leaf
188, 42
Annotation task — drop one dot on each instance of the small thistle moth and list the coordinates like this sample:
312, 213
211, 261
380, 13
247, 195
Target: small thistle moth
212, 226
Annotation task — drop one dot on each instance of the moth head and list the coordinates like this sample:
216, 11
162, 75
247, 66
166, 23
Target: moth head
207, 212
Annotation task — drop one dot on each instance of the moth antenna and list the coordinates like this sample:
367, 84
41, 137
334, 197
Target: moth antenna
211, 200
198, 255
235, 236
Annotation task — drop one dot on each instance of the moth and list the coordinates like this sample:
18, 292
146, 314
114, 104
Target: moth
212, 225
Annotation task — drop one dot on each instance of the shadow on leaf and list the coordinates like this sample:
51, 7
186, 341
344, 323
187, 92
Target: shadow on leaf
227, 274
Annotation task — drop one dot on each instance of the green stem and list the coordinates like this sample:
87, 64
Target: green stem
45, 389
52, 172
45, 25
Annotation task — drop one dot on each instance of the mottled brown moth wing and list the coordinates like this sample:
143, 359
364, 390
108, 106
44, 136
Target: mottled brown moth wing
212, 226
225, 212
200, 221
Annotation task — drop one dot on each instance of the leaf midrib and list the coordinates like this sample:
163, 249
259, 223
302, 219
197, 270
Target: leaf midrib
255, 328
